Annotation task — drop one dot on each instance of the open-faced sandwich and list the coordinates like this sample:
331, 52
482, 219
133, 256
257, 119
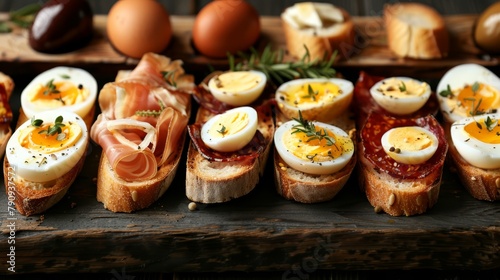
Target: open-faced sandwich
401, 145
469, 98
43, 157
66, 88
141, 130
230, 138
6, 88
314, 142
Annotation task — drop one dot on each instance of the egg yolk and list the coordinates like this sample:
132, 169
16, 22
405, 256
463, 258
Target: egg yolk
409, 139
400, 89
37, 138
478, 98
317, 149
235, 82
312, 93
59, 93
228, 124
484, 130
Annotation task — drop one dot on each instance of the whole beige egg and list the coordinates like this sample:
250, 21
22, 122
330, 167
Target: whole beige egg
487, 29
135, 27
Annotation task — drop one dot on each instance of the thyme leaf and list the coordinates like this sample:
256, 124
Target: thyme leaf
446, 92
402, 87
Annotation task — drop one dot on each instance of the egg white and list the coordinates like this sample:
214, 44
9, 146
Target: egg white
75, 75
240, 98
459, 76
474, 151
400, 106
233, 141
24, 161
308, 166
411, 157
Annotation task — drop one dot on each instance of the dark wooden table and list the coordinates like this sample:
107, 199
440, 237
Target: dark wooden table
259, 232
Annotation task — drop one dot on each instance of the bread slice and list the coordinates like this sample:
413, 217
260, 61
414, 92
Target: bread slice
5, 129
319, 42
308, 188
216, 182
118, 195
33, 198
416, 30
398, 197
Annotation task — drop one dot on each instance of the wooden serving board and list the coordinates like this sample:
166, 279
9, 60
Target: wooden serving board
261, 231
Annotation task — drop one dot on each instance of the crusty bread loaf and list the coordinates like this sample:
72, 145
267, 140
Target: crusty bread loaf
338, 37
118, 195
34, 198
398, 197
416, 30
216, 182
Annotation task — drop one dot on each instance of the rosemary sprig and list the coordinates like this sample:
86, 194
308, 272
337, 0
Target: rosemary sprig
475, 108
22, 17
273, 64
309, 129
311, 93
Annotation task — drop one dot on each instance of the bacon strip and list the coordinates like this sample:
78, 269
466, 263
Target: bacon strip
5, 110
143, 118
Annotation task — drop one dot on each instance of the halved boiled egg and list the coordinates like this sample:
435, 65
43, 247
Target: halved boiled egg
468, 90
238, 88
401, 95
317, 99
409, 144
47, 146
477, 140
231, 130
70, 88
313, 147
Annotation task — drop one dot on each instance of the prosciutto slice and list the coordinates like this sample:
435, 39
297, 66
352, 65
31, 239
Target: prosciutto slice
143, 117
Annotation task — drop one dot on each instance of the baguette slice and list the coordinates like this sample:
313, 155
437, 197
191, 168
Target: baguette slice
118, 195
34, 198
307, 188
416, 31
398, 197
320, 41
5, 129
481, 184
215, 182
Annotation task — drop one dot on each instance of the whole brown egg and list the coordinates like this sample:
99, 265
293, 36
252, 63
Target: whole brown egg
487, 29
224, 26
135, 27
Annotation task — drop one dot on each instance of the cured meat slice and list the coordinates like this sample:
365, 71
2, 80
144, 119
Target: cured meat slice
377, 124
143, 117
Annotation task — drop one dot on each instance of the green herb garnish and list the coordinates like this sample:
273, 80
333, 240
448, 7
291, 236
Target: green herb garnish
490, 123
402, 87
55, 129
475, 87
22, 17
222, 130
446, 92
36, 122
51, 88
311, 93
475, 108
169, 76
309, 129
277, 70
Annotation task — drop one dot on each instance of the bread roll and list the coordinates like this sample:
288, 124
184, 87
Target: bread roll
322, 28
416, 31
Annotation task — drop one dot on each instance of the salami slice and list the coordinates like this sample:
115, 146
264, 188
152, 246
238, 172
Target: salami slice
377, 124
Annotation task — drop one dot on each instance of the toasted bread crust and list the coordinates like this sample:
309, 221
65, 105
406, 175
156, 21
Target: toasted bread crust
305, 188
216, 182
427, 39
34, 198
398, 197
118, 195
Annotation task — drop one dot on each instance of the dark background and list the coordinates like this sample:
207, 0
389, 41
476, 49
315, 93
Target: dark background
273, 7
